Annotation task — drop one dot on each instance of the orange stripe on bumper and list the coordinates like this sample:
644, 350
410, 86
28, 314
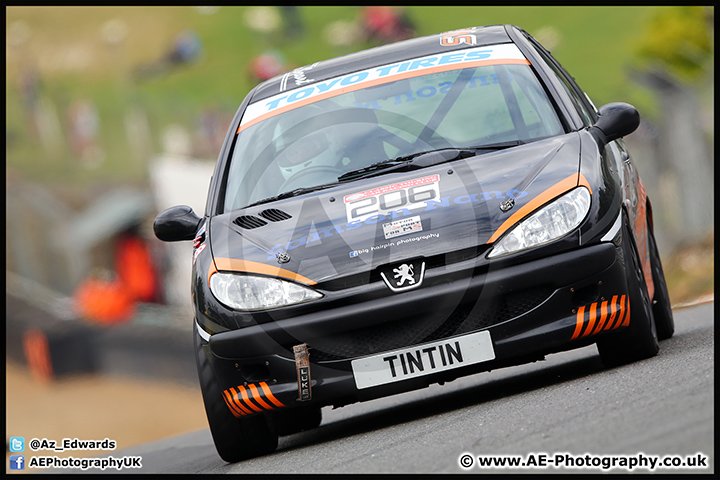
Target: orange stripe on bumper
591, 320
246, 399
231, 405
250, 399
579, 322
237, 401
258, 397
613, 312
627, 315
270, 396
603, 317
621, 316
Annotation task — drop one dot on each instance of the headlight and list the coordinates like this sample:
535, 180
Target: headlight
551, 222
251, 293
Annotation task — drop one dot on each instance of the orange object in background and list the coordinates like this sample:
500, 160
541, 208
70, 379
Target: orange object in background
135, 280
134, 267
104, 302
37, 353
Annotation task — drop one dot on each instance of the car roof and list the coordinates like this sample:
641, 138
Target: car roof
382, 55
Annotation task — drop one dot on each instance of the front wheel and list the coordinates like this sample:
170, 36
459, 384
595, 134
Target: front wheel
639, 340
662, 311
235, 438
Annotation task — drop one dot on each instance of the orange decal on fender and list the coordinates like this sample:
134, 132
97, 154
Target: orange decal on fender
246, 266
551, 193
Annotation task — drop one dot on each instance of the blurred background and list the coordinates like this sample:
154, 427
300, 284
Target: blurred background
115, 113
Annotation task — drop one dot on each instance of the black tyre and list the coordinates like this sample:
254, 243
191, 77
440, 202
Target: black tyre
662, 312
235, 438
639, 340
296, 420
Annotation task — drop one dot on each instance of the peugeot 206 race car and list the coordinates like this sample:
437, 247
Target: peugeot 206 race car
407, 215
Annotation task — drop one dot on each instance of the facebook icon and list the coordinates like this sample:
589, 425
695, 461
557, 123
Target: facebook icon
17, 462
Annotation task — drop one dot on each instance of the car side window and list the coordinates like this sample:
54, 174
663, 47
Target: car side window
585, 112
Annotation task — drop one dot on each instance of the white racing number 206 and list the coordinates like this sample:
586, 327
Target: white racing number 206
383, 200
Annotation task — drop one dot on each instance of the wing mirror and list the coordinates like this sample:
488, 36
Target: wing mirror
615, 120
176, 224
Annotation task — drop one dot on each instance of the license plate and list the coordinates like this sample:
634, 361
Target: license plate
420, 360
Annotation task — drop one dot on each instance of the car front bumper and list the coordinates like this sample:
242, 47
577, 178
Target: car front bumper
531, 309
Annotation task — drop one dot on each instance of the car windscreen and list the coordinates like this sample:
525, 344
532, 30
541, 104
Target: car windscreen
318, 136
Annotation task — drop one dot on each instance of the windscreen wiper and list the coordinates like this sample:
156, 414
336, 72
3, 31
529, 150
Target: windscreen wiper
499, 145
293, 193
415, 160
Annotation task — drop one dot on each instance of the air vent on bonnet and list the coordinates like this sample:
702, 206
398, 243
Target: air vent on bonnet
275, 215
249, 222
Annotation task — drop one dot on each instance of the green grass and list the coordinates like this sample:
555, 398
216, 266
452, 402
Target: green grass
594, 43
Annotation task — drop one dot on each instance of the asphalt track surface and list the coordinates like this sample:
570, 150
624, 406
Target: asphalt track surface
567, 404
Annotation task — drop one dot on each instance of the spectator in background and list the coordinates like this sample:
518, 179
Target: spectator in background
386, 24
186, 49
293, 22
267, 65
29, 86
84, 126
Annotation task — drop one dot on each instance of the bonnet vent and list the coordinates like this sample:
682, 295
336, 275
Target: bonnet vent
275, 215
249, 222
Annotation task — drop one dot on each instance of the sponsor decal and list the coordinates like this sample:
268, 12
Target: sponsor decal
305, 94
458, 37
372, 218
199, 236
427, 91
382, 246
199, 243
298, 76
402, 227
197, 251
409, 195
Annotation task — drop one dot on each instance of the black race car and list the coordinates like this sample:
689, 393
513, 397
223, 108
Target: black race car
407, 215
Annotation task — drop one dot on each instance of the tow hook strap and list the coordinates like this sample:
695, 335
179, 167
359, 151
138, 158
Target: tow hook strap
302, 365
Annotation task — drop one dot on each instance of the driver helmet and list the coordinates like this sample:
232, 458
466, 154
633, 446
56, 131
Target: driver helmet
320, 148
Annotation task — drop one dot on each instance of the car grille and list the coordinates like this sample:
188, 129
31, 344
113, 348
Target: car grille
399, 334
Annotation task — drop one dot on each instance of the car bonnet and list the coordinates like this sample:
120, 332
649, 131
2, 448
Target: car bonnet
356, 227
